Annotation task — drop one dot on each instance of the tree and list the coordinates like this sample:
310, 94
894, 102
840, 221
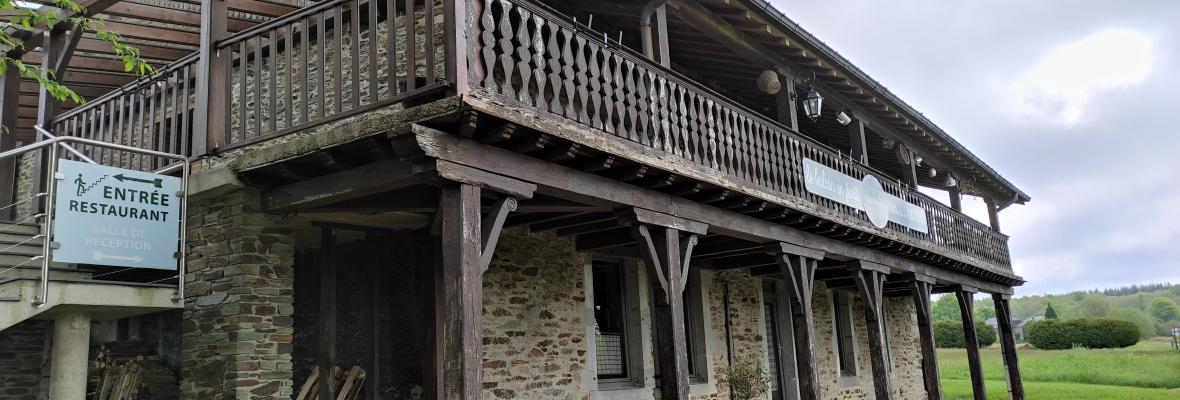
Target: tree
1050, 313
1145, 323
1094, 305
946, 308
24, 21
1164, 309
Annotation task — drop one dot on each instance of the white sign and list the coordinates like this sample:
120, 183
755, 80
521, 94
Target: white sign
865, 195
114, 216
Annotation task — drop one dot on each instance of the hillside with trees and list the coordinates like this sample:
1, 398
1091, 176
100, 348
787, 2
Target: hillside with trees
1154, 308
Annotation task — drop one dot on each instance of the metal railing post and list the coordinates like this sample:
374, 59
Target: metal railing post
47, 224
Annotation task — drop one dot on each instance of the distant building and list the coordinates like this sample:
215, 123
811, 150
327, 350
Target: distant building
1017, 326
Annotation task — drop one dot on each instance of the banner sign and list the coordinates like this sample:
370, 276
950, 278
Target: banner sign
114, 216
865, 195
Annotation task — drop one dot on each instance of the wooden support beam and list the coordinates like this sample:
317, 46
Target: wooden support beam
666, 258
870, 280
920, 291
586, 188
492, 225
345, 185
966, 299
9, 99
1008, 345
799, 273
327, 317
373, 370
211, 121
993, 213
856, 135
956, 197
785, 103
460, 316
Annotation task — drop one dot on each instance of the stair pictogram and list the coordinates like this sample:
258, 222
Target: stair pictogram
83, 187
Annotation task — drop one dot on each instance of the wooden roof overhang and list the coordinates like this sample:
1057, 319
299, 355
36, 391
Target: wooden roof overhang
579, 190
163, 30
771, 27
718, 42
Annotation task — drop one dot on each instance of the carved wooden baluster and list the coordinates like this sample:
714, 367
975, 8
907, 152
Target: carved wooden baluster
671, 116
487, 46
629, 74
643, 101
608, 92
506, 49
620, 96
539, 60
711, 132
594, 95
698, 126
682, 128
662, 126
553, 57
524, 56
583, 80
567, 71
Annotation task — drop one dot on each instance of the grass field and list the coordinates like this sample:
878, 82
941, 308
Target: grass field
1149, 370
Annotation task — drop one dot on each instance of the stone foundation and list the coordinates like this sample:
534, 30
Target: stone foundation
237, 325
23, 355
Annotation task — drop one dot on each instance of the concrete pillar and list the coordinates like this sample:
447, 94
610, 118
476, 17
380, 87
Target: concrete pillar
71, 350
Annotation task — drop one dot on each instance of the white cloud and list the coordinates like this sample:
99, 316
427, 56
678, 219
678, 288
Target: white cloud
1060, 86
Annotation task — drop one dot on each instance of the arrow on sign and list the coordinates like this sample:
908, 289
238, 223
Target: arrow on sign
99, 256
158, 183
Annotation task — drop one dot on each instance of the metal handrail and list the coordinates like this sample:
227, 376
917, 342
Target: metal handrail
56, 142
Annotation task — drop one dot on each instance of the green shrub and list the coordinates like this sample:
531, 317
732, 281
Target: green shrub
949, 334
1093, 333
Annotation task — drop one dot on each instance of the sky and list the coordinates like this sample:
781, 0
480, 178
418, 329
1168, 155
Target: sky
1076, 102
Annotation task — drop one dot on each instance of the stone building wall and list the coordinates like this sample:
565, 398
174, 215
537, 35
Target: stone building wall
237, 326
534, 331
23, 356
901, 325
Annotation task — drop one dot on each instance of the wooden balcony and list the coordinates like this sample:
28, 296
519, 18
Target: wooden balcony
514, 60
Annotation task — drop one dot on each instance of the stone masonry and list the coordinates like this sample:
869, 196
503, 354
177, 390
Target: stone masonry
237, 325
534, 332
23, 354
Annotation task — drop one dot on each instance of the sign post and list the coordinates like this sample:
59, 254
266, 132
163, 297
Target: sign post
118, 217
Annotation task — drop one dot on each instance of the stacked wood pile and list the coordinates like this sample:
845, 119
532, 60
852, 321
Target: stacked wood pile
118, 375
346, 386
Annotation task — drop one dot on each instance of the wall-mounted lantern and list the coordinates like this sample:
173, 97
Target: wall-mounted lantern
812, 102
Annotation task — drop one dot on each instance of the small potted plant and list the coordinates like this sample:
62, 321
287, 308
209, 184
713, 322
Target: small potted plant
745, 377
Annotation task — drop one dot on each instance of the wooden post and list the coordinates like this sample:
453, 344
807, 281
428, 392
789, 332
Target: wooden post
661, 32
785, 102
1008, 344
920, 291
665, 264
966, 308
327, 320
456, 28
373, 373
856, 135
911, 169
9, 99
993, 213
956, 197
210, 121
870, 282
461, 310
798, 265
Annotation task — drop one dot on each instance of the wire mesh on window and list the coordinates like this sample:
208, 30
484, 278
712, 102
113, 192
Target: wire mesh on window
609, 353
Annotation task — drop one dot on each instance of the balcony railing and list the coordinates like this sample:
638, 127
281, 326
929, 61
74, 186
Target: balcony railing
533, 57
344, 57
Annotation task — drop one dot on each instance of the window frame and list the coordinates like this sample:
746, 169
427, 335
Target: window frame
632, 335
844, 342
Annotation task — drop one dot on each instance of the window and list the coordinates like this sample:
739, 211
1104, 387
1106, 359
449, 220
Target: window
845, 353
694, 330
610, 320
